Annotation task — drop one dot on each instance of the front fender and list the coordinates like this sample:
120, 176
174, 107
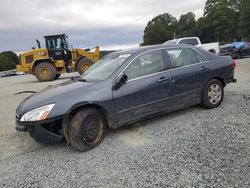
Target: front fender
112, 123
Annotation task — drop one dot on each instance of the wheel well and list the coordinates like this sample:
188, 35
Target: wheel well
221, 80
41, 61
101, 109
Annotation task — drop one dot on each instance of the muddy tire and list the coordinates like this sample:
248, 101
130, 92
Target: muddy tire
83, 64
87, 129
45, 72
213, 94
57, 76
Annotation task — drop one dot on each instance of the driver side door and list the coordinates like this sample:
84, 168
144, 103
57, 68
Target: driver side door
147, 90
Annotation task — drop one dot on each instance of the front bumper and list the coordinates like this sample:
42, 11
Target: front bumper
38, 131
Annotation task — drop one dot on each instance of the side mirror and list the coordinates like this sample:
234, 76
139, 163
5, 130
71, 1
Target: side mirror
120, 81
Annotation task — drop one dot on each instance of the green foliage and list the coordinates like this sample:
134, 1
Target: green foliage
245, 19
186, 25
8, 60
223, 21
204, 31
210, 7
160, 29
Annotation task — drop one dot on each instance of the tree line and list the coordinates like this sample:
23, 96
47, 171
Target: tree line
8, 60
223, 21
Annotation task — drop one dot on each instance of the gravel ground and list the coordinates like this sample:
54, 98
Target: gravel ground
188, 148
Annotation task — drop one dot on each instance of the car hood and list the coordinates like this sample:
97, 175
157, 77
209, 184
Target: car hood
63, 95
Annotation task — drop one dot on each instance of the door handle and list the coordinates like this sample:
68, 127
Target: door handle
203, 68
163, 79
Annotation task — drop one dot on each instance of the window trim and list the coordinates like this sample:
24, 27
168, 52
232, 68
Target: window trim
167, 68
164, 59
195, 51
133, 79
189, 39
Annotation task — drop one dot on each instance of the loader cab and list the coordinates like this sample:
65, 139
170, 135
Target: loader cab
58, 47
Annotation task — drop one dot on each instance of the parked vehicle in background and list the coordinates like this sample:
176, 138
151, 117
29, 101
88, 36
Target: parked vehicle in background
122, 88
236, 50
10, 73
195, 41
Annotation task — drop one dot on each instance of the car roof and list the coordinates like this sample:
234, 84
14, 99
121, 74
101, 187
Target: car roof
150, 47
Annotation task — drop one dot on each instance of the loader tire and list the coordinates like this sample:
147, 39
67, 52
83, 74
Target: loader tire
83, 64
57, 76
45, 72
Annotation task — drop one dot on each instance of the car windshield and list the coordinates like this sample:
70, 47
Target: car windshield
171, 41
102, 69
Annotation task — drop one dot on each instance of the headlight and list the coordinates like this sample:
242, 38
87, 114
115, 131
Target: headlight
37, 114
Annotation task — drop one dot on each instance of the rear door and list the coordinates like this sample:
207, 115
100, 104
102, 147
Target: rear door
147, 90
189, 72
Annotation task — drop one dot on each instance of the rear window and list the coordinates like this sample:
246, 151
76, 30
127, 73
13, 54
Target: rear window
192, 42
184, 56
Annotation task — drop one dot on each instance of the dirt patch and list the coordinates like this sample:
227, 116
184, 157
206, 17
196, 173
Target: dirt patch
132, 136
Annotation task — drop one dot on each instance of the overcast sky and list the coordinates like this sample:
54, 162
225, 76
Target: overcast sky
108, 23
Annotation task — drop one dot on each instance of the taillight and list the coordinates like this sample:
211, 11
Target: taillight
233, 65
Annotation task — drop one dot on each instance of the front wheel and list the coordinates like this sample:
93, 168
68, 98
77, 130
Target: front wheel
87, 129
213, 94
45, 72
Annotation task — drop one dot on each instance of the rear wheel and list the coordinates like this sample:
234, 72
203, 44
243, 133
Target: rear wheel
213, 94
87, 129
45, 72
83, 65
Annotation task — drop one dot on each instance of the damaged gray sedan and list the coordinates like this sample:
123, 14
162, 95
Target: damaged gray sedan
122, 88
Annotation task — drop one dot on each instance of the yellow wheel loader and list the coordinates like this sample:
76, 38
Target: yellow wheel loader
48, 63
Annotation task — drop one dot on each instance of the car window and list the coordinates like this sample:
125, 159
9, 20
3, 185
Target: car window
182, 57
103, 68
193, 42
145, 64
200, 58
